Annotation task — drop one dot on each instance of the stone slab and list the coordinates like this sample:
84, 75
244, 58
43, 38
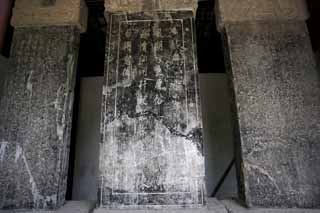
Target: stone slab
276, 95
234, 11
151, 151
35, 118
147, 5
28, 13
69, 207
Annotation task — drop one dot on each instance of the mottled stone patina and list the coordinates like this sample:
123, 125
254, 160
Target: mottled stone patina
151, 150
35, 118
276, 94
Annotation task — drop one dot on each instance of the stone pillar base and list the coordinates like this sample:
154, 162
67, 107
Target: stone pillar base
69, 207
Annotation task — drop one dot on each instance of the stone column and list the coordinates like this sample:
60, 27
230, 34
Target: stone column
276, 94
36, 106
151, 150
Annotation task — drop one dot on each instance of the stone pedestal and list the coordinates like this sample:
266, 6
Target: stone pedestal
151, 149
36, 106
276, 94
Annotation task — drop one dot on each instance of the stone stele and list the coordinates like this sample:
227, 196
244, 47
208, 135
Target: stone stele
151, 152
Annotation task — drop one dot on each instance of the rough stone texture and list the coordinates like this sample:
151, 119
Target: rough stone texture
148, 5
6, 67
276, 88
28, 13
35, 118
260, 10
151, 150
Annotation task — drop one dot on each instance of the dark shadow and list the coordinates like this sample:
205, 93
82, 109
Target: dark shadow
313, 23
209, 42
90, 63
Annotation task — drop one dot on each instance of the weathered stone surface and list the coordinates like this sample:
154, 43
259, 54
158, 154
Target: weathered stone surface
151, 150
35, 118
147, 5
276, 88
28, 13
260, 10
6, 67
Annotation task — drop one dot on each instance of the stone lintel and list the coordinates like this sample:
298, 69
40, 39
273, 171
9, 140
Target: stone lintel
28, 13
149, 5
232, 11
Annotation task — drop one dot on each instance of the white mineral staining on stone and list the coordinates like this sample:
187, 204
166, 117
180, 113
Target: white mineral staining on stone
59, 112
251, 168
151, 151
34, 190
3, 146
18, 154
62, 102
175, 162
141, 99
29, 82
39, 200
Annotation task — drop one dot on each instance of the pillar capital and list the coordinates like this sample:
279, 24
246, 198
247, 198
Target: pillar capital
149, 5
28, 13
232, 11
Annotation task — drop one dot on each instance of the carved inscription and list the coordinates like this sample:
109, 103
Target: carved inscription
151, 152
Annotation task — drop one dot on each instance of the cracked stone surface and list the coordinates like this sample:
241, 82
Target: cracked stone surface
35, 118
276, 91
151, 151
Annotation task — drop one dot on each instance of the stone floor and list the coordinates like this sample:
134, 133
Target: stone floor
214, 206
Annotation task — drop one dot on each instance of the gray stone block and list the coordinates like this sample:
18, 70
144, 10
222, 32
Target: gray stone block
151, 151
276, 95
35, 118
